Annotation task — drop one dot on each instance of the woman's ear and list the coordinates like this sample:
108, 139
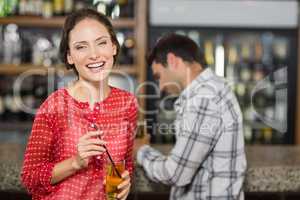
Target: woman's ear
69, 58
114, 49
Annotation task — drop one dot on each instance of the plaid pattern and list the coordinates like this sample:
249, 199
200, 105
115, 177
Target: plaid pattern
208, 159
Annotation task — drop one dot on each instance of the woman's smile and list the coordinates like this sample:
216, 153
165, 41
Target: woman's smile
96, 66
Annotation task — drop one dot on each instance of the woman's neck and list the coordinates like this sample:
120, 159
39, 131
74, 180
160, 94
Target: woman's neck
89, 92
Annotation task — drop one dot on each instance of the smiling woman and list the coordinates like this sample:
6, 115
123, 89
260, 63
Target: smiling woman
65, 158
91, 50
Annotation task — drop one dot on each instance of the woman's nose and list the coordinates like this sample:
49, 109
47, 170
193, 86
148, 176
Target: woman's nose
94, 54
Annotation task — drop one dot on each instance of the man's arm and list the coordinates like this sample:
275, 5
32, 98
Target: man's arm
197, 131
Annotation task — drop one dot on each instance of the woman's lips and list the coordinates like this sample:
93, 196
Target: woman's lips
96, 67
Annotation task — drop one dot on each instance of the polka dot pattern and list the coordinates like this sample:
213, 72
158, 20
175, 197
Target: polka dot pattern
59, 123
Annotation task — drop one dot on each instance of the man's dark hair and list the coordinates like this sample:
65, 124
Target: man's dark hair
180, 46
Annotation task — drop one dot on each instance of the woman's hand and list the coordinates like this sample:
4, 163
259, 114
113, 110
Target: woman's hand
89, 145
124, 187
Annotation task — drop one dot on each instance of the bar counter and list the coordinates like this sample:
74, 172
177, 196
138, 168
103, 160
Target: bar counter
270, 169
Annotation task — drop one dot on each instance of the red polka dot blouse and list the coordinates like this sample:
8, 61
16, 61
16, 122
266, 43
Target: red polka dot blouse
59, 123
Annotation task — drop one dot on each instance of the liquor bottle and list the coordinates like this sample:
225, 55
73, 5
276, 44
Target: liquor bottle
12, 45
115, 10
280, 51
128, 49
231, 73
58, 7
22, 7
47, 9
110, 8
209, 53
101, 7
68, 6
258, 66
8, 7
126, 8
267, 57
127, 43
245, 69
38, 7
267, 135
245, 72
248, 133
258, 72
79, 4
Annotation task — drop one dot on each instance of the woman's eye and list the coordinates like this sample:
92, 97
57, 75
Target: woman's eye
79, 47
102, 43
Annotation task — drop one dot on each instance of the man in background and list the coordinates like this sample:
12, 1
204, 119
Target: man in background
208, 158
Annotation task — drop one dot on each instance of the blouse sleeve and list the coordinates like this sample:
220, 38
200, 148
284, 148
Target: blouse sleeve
132, 125
38, 163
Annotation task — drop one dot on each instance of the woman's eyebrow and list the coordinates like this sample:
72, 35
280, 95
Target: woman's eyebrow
85, 42
101, 37
80, 42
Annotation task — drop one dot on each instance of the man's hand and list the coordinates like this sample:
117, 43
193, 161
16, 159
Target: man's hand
139, 142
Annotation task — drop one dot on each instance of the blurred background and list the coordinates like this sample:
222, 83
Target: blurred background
254, 44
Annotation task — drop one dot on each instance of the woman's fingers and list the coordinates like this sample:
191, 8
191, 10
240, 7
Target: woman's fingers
124, 193
90, 154
91, 147
94, 141
124, 186
91, 134
125, 175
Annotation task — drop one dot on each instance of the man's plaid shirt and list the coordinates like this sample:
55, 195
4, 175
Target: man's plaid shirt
208, 159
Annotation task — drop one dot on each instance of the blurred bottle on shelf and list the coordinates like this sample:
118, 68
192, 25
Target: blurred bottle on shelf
47, 10
267, 43
8, 7
79, 4
280, 51
115, 8
127, 44
109, 8
258, 67
68, 6
231, 68
58, 7
247, 133
12, 45
209, 53
30, 7
126, 8
245, 67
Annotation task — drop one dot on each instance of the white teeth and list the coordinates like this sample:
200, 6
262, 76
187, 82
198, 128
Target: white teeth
96, 65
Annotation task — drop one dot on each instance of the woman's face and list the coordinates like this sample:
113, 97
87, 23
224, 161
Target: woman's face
91, 50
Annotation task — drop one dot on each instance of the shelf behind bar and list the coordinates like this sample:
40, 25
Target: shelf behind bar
11, 69
56, 22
